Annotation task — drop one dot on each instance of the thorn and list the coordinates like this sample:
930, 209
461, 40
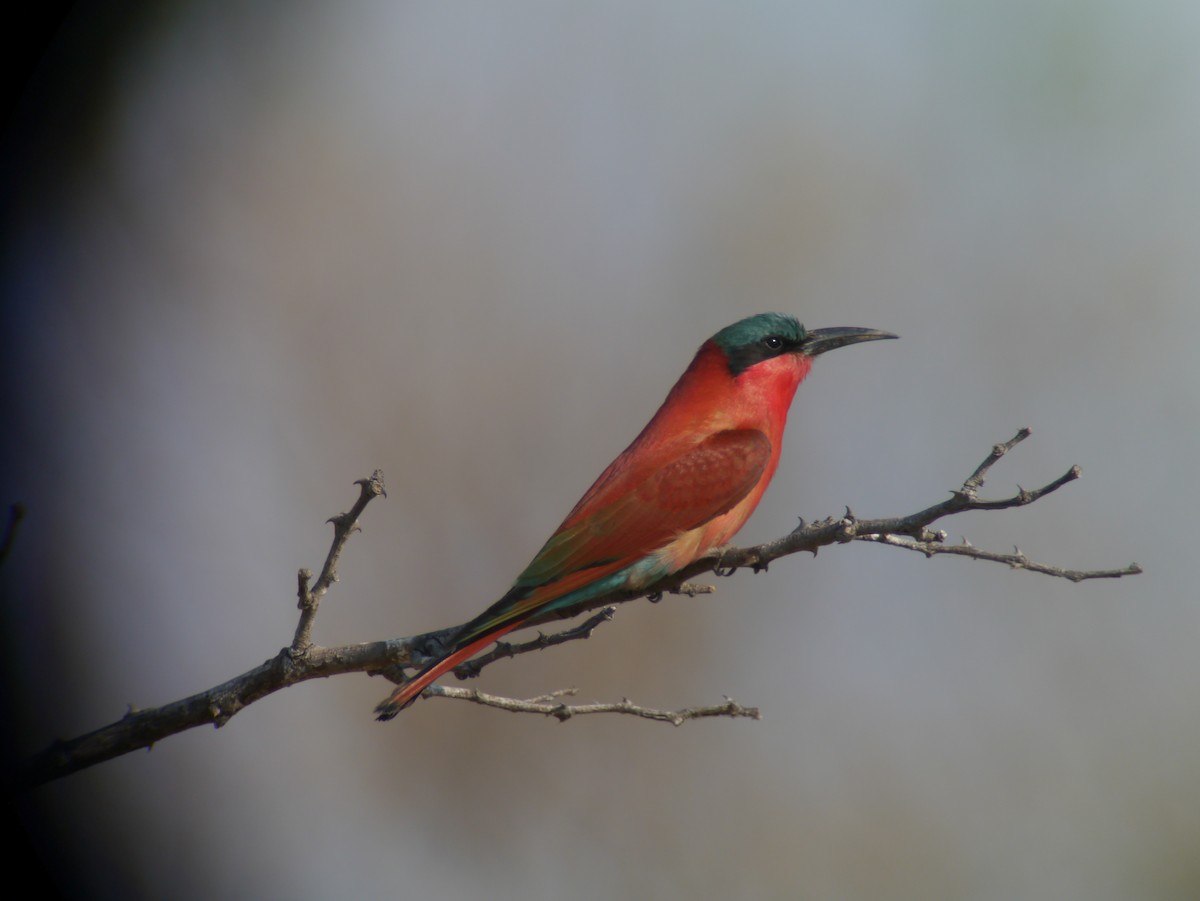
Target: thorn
850, 514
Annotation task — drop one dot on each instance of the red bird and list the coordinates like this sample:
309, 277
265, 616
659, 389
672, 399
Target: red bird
685, 485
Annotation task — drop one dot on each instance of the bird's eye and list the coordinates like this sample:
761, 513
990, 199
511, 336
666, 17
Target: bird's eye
772, 342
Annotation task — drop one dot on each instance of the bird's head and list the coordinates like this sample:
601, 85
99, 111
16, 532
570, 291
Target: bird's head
767, 336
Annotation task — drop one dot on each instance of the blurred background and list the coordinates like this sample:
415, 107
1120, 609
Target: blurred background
252, 251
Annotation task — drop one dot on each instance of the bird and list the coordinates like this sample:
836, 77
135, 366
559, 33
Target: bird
686, 484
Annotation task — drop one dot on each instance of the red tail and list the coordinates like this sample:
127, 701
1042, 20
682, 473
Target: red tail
411, 690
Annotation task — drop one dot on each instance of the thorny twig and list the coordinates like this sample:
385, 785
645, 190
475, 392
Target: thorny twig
550, 705
344, 525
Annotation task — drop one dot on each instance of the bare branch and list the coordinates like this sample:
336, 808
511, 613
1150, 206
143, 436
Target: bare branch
216, 706
297, 663
302, 661
975, 480
1017, 560
549, 705
502, 650
344, 525
505, 649
812, 537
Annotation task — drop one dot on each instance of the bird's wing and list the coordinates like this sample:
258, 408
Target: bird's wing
627, 515
637, 513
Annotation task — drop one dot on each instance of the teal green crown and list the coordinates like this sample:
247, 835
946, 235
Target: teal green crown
757, 338
753, 329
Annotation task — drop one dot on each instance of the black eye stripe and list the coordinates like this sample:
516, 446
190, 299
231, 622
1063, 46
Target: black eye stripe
768, 347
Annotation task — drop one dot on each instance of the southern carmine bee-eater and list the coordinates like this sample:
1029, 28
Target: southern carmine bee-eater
684, 486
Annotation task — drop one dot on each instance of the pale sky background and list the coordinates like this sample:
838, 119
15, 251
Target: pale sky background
253, 251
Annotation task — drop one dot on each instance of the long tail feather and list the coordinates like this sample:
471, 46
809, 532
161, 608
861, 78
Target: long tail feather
411, 690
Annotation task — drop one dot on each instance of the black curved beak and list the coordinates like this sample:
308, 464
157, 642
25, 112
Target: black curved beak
820, 340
